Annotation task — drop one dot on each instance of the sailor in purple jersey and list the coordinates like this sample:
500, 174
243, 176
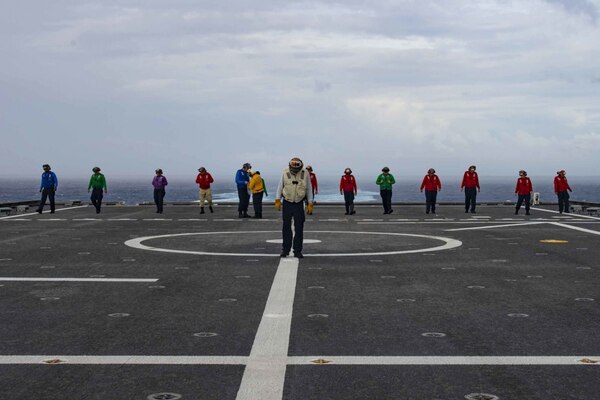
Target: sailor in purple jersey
159, 182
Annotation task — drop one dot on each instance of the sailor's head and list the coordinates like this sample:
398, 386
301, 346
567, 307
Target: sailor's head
295, 164
522, 173
246, 166
202, 170
96, 170
385, 170
431, 171
347, 171
158, 171
309, 168
562, 172
472, 168
46, 167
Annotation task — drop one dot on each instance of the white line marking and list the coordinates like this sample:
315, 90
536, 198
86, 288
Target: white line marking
14, 279
45, 212
265, 372
576, 228
121, 219
87, 219
95, 360
570, 214
493, 226
445, 360
448, 244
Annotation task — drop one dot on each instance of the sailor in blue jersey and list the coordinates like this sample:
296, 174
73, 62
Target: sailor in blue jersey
242, 178
48, 188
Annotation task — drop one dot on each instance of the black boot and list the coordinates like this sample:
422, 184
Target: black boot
201, 210
211, 209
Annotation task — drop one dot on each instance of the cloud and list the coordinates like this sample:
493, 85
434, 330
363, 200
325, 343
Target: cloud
579, 7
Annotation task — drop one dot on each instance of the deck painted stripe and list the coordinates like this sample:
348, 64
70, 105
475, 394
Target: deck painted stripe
139, 360
494, 226
572, 215
265, 372
45, 212
19, 279
576, 228
445, 360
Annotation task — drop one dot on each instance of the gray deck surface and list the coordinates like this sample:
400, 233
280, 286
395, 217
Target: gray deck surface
514, 316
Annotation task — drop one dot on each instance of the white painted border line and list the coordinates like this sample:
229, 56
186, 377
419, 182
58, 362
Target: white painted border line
494, 226
576, 228
449, 243
11, 279
445, 360
132, 360
265, 371
45, 212
566, 214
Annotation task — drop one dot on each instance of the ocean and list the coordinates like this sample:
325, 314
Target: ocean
136, 191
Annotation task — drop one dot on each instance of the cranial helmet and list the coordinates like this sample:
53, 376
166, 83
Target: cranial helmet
431, 171
96, 169
296, 165
159, 171
201, 169
347, 171
247, 166
46, 166
523, 172
385, 169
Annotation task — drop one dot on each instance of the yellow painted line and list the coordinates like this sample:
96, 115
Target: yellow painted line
553, 241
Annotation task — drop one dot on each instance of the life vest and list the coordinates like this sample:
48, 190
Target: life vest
295, 186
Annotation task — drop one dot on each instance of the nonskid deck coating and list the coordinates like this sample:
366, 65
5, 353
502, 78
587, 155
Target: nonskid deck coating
503, 313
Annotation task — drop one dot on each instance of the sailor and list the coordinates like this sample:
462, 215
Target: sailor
562, 189
204, 179
241, 180
349, 190
385, 180
432, 185
294, 187
523, 190
313, 182
258, 188
97, 185
470, 184
159, 182
48, 187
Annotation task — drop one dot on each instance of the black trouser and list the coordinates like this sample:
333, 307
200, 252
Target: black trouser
244, 200
159, 195
96, 198
524, 198
295, 211
470, 197
47, 193
563, 201
430, 199
386, 199
257, 204
349, 201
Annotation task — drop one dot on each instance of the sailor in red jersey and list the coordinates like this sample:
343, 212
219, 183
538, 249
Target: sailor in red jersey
349, 190
313, 182
432, 185
562, 189
204, 179
470, 184
523, 190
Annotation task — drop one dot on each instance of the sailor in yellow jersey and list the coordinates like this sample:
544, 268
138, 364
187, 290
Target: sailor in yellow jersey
294, 187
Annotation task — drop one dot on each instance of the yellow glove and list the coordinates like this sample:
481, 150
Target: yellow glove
278, 204
309, 208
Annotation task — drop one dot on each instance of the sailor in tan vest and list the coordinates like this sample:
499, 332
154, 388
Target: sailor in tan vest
294, 187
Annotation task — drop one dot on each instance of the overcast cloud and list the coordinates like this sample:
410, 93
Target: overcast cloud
133, 86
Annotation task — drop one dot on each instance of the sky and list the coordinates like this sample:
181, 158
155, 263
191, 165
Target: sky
132, 86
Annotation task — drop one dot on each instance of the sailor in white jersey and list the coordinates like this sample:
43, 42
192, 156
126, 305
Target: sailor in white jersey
294, 187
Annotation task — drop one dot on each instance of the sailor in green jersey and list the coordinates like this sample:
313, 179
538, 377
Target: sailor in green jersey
385, 182
98, 186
